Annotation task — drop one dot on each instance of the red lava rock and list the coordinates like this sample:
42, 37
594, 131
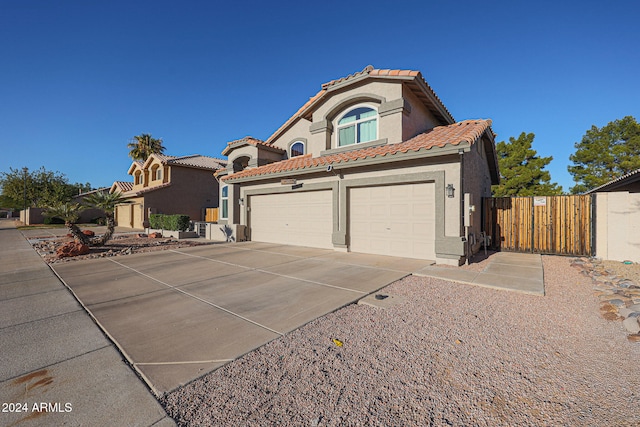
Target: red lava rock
155, 235
69, 235
88, 233
72, 249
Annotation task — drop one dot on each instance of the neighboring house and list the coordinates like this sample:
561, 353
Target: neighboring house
617, 218
168, 185
90, 214
373, 163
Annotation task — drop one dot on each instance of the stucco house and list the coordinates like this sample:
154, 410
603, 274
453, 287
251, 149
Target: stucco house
373, 163
168, 185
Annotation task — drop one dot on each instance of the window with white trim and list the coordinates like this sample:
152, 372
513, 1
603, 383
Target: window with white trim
297, 149
224, 202
360, 124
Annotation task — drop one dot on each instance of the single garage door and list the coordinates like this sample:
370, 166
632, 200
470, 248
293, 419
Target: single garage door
397, 220
303, 219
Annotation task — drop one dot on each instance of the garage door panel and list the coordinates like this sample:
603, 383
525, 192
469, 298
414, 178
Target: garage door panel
303, 219
400, 220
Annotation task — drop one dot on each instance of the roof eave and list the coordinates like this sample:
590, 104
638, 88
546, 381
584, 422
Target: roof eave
375, 160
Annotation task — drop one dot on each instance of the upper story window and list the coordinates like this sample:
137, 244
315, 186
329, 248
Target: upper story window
156, 173
360, 124
137, 178
297, 149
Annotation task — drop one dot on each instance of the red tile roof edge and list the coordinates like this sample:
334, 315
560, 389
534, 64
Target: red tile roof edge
466, 131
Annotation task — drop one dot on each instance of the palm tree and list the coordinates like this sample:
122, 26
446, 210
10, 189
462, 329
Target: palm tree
142, 146
69, 213
107, 202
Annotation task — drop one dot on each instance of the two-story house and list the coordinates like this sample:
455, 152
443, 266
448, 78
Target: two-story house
373, 163
168, 185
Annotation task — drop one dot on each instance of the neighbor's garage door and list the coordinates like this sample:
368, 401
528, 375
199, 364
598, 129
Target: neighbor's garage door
303, 219
397, 220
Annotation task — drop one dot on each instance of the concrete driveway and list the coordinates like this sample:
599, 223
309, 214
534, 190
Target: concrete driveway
179, 314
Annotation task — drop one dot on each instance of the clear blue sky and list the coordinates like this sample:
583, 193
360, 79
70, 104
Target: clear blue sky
78, 79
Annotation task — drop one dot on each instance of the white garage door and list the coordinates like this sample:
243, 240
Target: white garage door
303, 219
397, 220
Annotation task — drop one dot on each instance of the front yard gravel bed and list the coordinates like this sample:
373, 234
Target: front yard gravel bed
452, 354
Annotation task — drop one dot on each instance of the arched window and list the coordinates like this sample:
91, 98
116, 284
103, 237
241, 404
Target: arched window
360, 124
156, 172
137, 178
297, 149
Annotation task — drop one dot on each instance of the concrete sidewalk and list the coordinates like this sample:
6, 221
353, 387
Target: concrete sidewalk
507, 271
56, 366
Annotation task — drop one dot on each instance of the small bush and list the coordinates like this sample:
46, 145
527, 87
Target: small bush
169, 222
156, 221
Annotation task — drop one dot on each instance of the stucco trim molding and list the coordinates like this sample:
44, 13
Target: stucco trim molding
400, 105
360, 146
352, 100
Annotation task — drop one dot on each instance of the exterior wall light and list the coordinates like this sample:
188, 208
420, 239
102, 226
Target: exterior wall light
450, 190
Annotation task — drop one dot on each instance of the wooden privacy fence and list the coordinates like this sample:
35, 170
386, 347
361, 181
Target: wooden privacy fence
550, 225
211, 214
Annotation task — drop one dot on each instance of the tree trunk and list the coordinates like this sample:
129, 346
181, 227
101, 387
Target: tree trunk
102, 240
77, 233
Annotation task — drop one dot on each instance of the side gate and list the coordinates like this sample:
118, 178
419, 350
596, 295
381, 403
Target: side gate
561, 225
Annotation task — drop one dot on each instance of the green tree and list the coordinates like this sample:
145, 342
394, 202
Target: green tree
605, 153
142, 146
69, 213
107, 202
521, 171
40, 187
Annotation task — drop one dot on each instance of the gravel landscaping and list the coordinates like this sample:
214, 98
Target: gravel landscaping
450, 354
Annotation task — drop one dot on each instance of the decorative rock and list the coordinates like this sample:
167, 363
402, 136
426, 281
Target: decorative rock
155, 235
617, 302
72, 249
89, 233
634, 337
141, 235
634, 314
625, 312
632, 325
635, 307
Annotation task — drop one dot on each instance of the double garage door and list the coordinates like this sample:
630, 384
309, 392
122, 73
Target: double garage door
396, 220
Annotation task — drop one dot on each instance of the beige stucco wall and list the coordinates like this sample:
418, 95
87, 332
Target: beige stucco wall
447, 166
618, 226
419, 120
373, 93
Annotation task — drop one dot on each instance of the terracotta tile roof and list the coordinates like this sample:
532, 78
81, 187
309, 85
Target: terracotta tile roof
198, 161
150, 189
193, 160
251, 141
369, 71
468, 131
123, 186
